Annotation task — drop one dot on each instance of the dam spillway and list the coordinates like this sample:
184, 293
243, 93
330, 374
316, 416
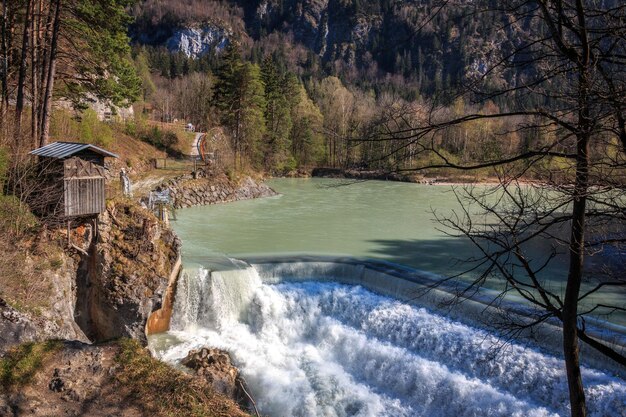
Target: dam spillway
315, 337
314, 294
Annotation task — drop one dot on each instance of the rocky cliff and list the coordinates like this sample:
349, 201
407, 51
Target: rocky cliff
124, 277
434, 45
104, 288
108, 286
199, 40
38, 291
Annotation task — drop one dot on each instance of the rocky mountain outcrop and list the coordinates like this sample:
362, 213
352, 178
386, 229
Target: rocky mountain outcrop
420, 38
199, 40
213, 188
125, 275
430, 44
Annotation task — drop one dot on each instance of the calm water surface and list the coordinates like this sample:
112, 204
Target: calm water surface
374, 219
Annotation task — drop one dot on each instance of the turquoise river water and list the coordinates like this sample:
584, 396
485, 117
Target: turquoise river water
318, 348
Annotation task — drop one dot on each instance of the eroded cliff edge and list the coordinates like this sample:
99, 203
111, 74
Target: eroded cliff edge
125, 274
105, 288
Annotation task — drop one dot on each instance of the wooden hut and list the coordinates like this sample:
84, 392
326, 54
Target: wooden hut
73, 177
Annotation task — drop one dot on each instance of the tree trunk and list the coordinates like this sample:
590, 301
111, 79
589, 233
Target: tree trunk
19, 102
577, 238
4, 103
34, 75
46, 107
574, 280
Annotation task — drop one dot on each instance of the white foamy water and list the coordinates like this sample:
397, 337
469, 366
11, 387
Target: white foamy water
324, 349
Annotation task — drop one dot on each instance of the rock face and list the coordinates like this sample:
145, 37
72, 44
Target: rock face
15, 327
70, 385
119, 379
214, 365
199, 40
54, 317
125, 275
212, 189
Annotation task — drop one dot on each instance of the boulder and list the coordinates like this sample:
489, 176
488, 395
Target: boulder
214, 365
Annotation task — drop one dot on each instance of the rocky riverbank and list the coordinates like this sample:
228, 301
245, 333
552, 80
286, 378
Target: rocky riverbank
212, 188
104, 287
111, 284
54, 354
412, 177
119, 378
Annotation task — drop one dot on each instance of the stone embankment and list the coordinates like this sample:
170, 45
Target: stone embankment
213, 188
412, 177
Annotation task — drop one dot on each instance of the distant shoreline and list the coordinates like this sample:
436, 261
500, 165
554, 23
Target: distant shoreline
339, 173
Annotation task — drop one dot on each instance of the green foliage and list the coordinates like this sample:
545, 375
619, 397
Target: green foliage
16, 218
22, 363
142, 67
4, 166
307, 143
165, 140
285, 164
226, 93
280, 91
101, 53
252, 120
165, 390
93, 130
240, 97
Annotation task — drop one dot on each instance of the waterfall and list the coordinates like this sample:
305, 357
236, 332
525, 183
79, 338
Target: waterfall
213, 299
311, 348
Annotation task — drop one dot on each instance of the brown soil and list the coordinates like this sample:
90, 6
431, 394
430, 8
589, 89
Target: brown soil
116, 379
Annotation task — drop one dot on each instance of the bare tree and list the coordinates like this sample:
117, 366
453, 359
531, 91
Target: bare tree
567, 95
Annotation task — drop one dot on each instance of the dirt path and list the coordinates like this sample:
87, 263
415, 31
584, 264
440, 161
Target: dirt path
194, 146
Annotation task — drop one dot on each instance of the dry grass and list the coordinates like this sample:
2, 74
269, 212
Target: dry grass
118, 378
168, 391
22, 362
25, 288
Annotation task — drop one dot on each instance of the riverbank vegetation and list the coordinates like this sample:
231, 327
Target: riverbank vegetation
115, 378
533, 90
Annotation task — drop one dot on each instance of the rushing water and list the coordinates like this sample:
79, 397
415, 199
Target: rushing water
327, 349
374, 219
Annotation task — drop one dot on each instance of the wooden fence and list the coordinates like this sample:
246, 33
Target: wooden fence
189, 163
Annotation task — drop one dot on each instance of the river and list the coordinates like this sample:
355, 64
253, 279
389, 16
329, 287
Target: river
329, 349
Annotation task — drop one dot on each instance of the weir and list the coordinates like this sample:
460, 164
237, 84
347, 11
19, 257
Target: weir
313, 337
425, 289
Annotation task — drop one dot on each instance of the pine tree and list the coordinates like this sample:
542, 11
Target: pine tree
240, 97
252, 129
278, 90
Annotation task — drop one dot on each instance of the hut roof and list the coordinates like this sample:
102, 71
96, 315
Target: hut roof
63, 150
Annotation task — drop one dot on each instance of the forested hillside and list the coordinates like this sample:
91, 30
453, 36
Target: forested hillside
296, 84
422, 46
301, 83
